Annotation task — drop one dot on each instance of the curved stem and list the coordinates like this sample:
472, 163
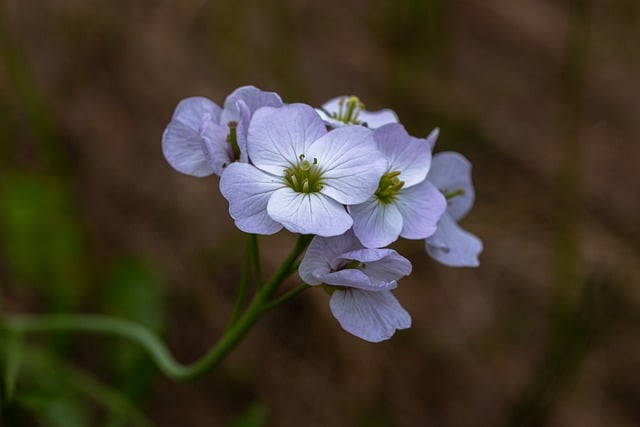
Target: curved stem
148, 340
249, 255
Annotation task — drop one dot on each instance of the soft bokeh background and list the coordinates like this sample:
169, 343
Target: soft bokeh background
542, 97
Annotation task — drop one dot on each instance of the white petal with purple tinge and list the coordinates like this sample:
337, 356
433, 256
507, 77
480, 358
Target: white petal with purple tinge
248, 191
308, 213
453, 246
372, 316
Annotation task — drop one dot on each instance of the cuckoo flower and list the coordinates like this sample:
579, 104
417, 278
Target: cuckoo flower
360, 281
405, 203
349, 110
202, 138
450, 244
300, 175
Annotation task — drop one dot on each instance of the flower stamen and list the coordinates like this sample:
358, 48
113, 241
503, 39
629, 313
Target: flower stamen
389, 186
451, 194
349, 110
304, 177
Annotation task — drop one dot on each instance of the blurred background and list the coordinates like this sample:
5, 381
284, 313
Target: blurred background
540, 95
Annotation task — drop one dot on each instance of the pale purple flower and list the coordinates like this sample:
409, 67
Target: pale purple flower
405, 204
197, 141
349, 110
360, 281
300, 175
450, 244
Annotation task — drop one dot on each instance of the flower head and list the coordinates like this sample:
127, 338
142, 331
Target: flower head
300, 175
450, 244
202, 138
405, 203
360, 281
349, 110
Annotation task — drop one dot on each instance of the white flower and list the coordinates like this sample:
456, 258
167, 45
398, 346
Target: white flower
300, 175
360, 281
349, 110
450, 244
405, 204
200, 138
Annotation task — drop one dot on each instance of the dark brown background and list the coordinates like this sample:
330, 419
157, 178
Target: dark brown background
541, 96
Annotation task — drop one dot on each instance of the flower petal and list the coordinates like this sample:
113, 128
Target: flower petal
356, 278
432, 138
190, 112
183, 144
376, 224
241, 105
308, 213
321, 252
376, 119
278, 136
253, 97
248, 190
372, 316
404, 153
453, 246
382, 264
350, 163
421, 207
451, 171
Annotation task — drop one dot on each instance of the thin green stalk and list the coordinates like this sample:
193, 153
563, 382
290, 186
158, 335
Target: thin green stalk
287, 296
149, 341
244, 279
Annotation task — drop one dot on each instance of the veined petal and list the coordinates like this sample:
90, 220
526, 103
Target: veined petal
404, 153
372, 316
308, 213
356, 278
242, 129
376, 224
278, 136
351, 165
191, 112
382, 264
450, 172
183, 144
453, 246
241, 105
421, 207
321, 252
253, 97
217, 150
248, 191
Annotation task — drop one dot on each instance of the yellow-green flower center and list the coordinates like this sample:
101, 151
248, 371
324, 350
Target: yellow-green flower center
348, 111
304, 177
388, 187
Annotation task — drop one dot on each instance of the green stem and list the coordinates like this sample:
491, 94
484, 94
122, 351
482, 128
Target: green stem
287, 296
244, 279
149, 341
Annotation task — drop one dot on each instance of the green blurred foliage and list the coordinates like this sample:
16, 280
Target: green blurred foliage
43, 241
254, 416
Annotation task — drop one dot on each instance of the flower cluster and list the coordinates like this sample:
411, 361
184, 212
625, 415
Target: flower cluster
354, 179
